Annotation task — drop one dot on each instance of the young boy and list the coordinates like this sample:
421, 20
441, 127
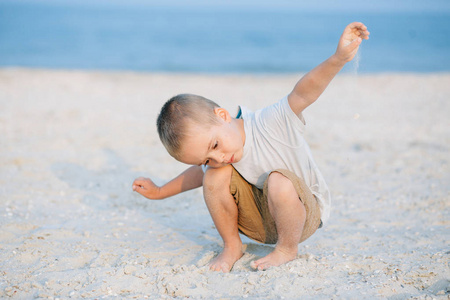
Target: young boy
257, 172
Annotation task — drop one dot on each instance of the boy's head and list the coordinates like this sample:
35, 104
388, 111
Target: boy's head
197, 131
178, 115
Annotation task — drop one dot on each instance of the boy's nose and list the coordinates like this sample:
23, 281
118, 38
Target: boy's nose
219, 157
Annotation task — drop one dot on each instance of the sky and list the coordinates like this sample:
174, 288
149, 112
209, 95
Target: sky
377, 6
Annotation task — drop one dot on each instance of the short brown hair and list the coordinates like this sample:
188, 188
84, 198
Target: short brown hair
174, 115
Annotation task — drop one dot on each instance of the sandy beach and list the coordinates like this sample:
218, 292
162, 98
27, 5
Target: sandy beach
72, 142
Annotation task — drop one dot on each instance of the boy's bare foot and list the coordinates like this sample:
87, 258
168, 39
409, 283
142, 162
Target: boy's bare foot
276, 258
225, 260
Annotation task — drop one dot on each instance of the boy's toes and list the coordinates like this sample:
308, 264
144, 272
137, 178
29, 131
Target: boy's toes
224, 267
260, 265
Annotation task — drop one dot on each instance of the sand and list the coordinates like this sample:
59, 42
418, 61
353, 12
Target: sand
72, 142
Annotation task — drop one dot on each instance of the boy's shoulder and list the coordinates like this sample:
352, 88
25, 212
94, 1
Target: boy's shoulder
280, 106
278, 115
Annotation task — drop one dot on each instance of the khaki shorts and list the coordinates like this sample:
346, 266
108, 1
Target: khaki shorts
254, 218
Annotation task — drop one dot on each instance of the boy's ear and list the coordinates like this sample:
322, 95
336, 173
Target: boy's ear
223, 114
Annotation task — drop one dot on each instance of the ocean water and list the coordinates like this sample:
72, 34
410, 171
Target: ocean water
215, 39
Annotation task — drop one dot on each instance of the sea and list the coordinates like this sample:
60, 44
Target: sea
259, 37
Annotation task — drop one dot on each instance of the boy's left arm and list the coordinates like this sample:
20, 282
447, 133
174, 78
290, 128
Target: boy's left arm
312, 85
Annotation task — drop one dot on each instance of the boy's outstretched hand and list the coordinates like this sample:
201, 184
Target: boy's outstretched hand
146, 188
350, 40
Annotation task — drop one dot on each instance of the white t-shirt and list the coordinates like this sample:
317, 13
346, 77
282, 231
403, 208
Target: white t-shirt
274, 140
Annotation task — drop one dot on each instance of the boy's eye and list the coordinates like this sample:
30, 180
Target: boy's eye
215, 145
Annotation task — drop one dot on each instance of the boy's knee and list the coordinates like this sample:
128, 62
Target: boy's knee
280, 188
216, 178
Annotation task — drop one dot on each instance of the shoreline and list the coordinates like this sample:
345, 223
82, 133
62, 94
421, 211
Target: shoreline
349, 71
73, 141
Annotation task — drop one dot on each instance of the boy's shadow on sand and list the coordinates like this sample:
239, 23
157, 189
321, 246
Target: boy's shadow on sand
103, 188
109, 188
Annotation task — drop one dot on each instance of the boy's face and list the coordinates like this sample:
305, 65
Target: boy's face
214, 146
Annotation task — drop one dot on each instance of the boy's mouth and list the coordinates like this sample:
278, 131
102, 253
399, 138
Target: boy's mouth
231, 160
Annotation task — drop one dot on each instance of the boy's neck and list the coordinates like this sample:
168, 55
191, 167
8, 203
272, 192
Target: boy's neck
240, 125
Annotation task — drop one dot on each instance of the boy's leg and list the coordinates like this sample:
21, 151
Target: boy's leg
224, 212
289, 215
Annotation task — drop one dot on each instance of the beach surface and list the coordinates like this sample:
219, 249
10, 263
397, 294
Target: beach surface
72, 142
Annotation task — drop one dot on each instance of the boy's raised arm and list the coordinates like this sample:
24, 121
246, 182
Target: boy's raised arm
190, 179
312, 85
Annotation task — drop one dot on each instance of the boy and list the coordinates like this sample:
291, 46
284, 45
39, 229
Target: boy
257, 172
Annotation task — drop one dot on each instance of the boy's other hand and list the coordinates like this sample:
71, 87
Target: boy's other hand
146, 188
350, 40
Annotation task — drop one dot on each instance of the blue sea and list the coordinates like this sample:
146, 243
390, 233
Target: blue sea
205, 38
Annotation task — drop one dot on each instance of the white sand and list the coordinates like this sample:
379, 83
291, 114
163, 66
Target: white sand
71, 144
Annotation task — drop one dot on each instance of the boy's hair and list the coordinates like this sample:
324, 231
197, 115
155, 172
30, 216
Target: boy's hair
175, 114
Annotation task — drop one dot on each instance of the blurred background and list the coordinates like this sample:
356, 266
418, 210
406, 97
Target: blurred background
221, 36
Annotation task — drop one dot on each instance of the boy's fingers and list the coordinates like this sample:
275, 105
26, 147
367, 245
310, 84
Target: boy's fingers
354, 44
360, 27
363, 33
357, 25
352, 26
139, 184
139, 190
140, 181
